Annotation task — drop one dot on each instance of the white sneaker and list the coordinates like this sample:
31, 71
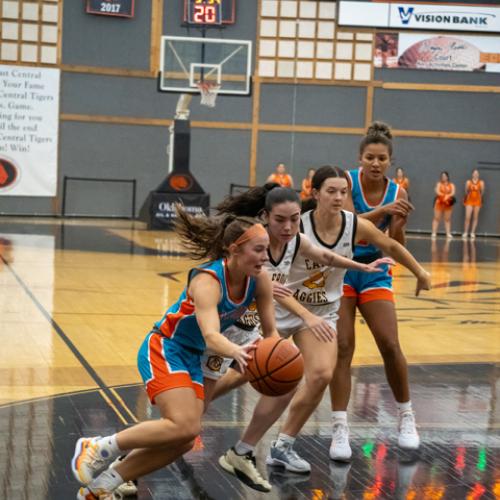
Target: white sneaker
464, 236
127, 489
449, 236
285, 456
433, 236
87, 462
408, 438
472, 236
245, 469
340, 448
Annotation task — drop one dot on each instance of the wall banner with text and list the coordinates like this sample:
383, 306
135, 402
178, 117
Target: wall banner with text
446, 53
29, 123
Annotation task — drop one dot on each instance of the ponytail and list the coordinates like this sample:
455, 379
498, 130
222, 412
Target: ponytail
209, 237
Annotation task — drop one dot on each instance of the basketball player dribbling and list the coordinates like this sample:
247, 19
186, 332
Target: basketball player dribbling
378, 199
217, 294
280, 211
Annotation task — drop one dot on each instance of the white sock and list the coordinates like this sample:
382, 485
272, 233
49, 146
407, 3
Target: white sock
339, 417
108, 448
403, 407
285, 439
109, 480
242, 448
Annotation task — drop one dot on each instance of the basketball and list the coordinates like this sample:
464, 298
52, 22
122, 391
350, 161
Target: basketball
276, 367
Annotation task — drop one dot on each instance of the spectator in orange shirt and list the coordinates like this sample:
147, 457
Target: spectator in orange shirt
401, 179
307, 185
281, 177
473, 200
443, 204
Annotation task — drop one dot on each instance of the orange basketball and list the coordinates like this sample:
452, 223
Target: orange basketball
276, 367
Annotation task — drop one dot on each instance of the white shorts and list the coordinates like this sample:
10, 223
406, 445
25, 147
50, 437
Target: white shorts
213, 365
289, 324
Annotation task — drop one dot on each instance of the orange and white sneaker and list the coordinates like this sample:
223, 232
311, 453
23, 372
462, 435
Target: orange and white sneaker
100, 494
87, 461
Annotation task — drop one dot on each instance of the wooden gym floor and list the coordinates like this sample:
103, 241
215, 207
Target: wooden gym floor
77, 298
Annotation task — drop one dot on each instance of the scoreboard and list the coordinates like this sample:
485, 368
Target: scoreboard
479, 16
205, 13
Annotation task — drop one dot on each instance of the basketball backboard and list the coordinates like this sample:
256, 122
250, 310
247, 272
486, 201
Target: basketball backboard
186, 61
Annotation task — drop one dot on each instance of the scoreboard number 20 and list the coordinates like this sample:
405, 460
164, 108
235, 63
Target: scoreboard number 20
209, 12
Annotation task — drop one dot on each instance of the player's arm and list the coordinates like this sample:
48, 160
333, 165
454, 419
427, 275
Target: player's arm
368, 232
452, 189
397, 226
331, 259
205, 292
437, 189
400, 207
265, 304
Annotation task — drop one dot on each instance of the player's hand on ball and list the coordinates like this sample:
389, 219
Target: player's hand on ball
242, 354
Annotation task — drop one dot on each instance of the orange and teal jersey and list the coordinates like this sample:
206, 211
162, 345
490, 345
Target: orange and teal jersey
362, 206
179, 322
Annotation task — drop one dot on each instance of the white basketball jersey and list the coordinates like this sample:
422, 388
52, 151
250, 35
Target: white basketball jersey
278, 271
316, 285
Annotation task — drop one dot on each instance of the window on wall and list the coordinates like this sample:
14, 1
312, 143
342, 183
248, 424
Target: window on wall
299, 39
29, 31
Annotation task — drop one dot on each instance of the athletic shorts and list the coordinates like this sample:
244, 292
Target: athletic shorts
214, 365
366, 287
165, 364
289, 324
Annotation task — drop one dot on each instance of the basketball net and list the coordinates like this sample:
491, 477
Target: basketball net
208, 92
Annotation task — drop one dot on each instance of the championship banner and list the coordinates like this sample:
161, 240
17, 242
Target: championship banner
446, 53
29, 123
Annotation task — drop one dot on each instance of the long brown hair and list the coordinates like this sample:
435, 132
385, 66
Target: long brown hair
209, 237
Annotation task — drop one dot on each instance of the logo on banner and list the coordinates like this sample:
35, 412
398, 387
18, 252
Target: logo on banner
405, 14
452, 18
180, 182
9, 173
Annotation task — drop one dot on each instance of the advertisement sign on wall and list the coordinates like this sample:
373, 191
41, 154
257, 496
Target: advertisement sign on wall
29, 123
447, 53
442, 16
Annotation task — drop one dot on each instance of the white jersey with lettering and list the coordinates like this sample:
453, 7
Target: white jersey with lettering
246, 328
317, 287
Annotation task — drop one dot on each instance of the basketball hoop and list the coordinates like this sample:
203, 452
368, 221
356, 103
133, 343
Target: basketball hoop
208, 92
